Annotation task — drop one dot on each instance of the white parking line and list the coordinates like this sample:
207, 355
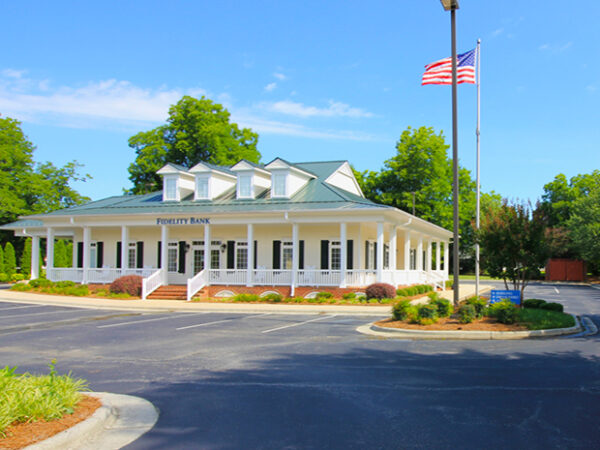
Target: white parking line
40, 313
299, 323
21, 307
156, 319
203, 324
556, 290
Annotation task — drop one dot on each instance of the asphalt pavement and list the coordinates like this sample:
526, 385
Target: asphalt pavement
268, 380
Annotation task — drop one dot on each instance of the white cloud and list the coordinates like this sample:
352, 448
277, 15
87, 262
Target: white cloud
270, 87
12, 73
556, 48
335, 109
497, 32
279, 76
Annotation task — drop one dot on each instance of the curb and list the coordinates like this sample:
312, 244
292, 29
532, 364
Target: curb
119, 421
374, 330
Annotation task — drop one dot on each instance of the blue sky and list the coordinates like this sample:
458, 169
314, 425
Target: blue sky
317, 80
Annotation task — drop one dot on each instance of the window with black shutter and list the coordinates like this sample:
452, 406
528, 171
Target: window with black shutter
140, 255
276, 255
118, 254
324, 255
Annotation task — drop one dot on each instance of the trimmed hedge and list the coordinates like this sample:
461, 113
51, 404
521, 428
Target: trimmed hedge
466, 313
552, 307
504, 312
535, 303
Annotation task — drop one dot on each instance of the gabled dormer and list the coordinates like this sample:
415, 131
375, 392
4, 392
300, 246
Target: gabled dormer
251, 179
343, 178
286, 179
178, 183
211, 181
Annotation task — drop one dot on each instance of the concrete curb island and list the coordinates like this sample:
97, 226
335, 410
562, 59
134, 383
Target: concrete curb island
119, 421
403, 333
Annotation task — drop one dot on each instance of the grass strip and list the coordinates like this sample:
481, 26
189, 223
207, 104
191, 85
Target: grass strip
26, 397
540, 319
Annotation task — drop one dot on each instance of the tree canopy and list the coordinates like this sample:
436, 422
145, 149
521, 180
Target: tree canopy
422, 169
584, 227
27, 187
196, 130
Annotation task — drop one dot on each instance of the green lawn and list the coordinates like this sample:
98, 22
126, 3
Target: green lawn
540, 319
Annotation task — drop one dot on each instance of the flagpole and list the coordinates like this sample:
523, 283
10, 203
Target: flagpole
477, 214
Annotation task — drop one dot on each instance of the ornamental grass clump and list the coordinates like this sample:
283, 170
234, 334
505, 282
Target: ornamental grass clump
504, 312
380, 291
245, 298
128, 284
403, 310
26, 397
427, 314
272, 297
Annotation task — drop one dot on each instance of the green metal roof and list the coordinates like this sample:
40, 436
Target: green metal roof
315, 195
23, 223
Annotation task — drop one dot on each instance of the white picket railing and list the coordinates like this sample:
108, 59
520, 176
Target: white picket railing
151, 283
360, 278
268, 277
196, 283
109, 275
64, 274
319, 277
227, 276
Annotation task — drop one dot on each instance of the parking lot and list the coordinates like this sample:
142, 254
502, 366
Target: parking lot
227, 380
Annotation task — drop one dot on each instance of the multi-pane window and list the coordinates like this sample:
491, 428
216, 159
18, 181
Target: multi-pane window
413, 259
202, 188
198, 260
287, 254
371, 255
93, 255
245, 186
386, 256
241, 255
171, 189
172, 257
131, 255
215, 259
279, 185
336, 256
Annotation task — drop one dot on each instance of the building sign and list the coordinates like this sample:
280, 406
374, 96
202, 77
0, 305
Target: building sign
498, 296
183, 221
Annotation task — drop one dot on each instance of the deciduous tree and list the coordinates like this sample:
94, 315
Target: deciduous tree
10, 261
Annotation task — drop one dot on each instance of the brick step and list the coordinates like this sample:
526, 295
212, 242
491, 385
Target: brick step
169, 292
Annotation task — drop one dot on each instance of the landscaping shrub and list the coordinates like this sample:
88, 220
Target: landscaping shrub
128, 284
17, 277
349, 296
479, 304
245, 298
448, 284
427, 314
403, 310
80, 290
380, 290
297, 299
272, 297
443, 306
533, 303
324, 295
552, 307
466, 313
63, 284
40, 282
4, 277
504, 312
21, 287
402, 292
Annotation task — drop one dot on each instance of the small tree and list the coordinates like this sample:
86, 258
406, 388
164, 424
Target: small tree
25, 261
513, 244
60, 254
1, 260
10, 261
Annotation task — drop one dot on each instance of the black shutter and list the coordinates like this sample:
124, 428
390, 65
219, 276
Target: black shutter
301, 256
80, 254
276, 254
118, 254
159, 254
375, 255
99, 254
349, 254
181, 268
231, 254
366, 254
324, 255
140, 255
255, 255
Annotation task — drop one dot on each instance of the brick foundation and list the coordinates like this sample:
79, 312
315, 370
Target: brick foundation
285, 291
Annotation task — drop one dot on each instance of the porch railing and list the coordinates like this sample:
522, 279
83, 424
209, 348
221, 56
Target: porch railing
196, 283
359, 278
268, 277
319, 277
64, 274
110, 275
151, 283
227, 276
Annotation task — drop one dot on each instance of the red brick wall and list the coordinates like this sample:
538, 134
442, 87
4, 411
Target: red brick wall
285, 291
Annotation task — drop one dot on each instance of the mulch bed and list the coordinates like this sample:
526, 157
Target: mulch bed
452, 324
23, 434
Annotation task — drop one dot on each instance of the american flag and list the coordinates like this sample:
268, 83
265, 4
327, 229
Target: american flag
440, 72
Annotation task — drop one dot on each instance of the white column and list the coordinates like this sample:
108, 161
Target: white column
164, 237
428, 256
50, 249
438, 255
87, 237
250, 268
35, 257
379, 252
295, 257
446, 258
393, 244
407, 250
207, 253
420, 254
124, 247
343, 254
360, 248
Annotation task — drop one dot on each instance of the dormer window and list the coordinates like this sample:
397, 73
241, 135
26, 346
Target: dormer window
279, 185
202, 188
170, 189
245, 186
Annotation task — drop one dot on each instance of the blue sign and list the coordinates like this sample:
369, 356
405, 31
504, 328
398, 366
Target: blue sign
498, 296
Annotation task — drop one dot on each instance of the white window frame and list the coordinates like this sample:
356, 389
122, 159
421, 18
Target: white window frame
201, 180
240, 247
173, 246
335, 248
93, 255
242, 179
412, 259
168, 181
386, 256
131, 250
279, 180
371, 253
287, 254
198, 246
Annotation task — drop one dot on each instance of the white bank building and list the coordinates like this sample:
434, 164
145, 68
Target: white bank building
246, 228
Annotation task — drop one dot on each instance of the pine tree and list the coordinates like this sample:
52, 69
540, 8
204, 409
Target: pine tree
25, 261
1, 260
10, 261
